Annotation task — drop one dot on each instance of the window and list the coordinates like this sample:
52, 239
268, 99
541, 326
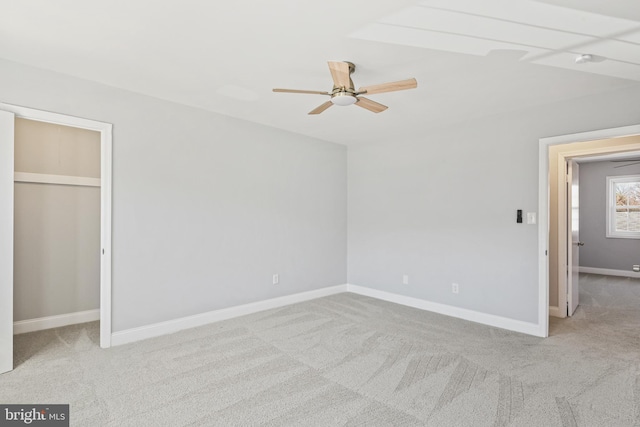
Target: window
623, 206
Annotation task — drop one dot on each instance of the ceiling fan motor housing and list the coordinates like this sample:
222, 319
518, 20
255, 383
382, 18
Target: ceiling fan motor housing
343, 98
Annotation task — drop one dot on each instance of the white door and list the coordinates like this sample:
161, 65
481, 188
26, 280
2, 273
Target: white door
573, 236
6, 241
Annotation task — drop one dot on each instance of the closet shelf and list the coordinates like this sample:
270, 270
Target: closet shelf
41, 178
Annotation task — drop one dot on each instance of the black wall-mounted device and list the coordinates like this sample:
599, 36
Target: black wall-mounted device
519, 216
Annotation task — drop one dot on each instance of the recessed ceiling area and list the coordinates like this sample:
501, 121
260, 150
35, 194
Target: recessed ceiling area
471, 59
545, 34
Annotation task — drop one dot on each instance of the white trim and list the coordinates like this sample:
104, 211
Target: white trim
106, 159
39, 324
563, 233
449, 310
592, 136
7, 121
555, 312
543, 200
543, 239
168, 327
609, 272
171, 326
42, 178
54, 118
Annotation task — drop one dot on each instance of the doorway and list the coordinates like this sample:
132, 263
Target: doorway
8, 115
553, 249
56, 269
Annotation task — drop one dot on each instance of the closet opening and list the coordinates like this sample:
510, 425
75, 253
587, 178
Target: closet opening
55, 199
56, 226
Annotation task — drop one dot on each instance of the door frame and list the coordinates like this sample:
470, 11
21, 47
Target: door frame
106, 145
543, 202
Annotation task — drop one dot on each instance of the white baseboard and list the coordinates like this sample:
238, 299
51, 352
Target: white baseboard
609, 272
448, 310
171, 326
41, 323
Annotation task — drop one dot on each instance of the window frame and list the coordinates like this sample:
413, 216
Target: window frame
611, 231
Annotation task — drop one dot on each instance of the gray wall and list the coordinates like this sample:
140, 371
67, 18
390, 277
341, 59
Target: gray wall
441, 206
600, 251
57, 227
205, 207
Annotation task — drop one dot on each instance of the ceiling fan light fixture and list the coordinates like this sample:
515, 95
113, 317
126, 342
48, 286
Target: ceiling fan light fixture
343, 99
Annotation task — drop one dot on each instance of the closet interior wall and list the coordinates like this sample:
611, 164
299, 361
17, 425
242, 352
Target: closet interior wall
57, 220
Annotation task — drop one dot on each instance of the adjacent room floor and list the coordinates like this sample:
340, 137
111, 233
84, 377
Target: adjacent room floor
349, 360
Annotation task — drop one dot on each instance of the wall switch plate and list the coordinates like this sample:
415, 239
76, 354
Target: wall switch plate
276, 279
531, 218
405, 279
455, 288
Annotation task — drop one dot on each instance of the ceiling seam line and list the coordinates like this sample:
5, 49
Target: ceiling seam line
469, 36
631, 30
549, 51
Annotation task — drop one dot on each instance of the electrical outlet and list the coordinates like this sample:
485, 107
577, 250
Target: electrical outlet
405, 279
276, 279
455, 288
636, 267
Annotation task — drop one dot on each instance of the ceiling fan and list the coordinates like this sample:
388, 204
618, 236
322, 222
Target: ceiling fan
630, 162
344, 92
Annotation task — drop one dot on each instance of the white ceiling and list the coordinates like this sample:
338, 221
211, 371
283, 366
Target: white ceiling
472, 58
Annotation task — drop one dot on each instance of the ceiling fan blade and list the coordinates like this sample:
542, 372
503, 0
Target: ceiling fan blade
370, 105
340, 74
389, 87
623, 166
321, 108
312, 92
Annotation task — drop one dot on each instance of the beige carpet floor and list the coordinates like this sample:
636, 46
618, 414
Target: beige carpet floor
348, 360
